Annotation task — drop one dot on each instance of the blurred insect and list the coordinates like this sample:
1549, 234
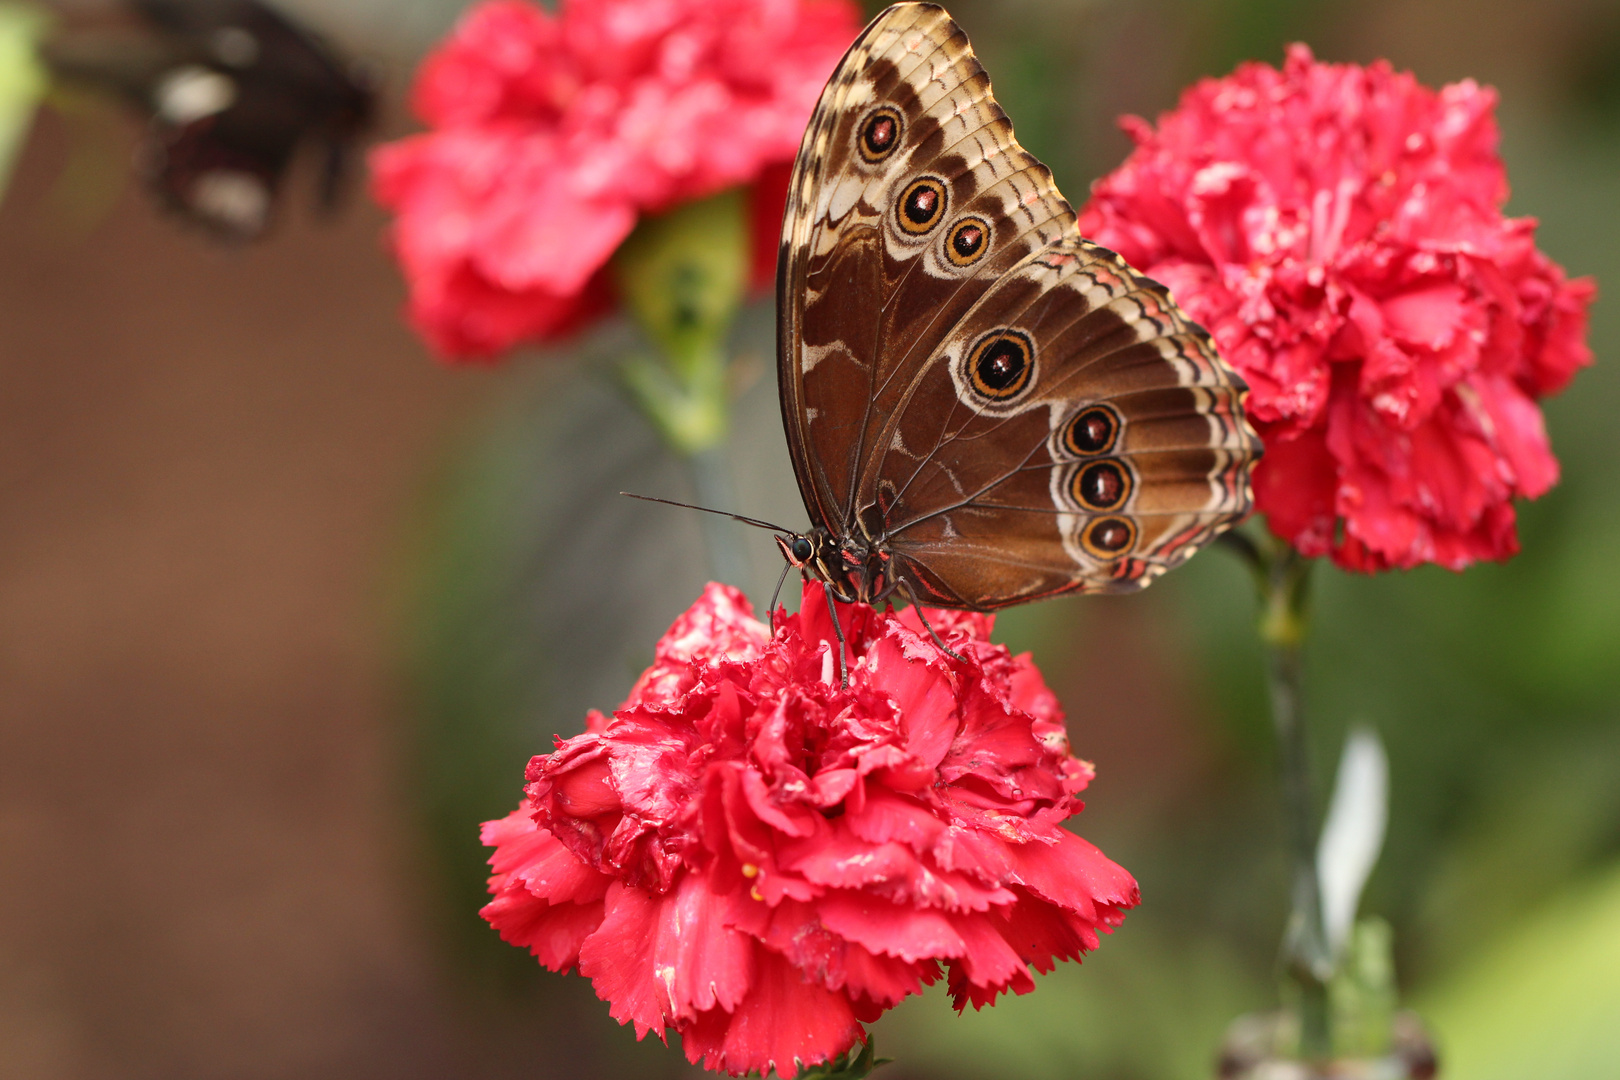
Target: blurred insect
231, 91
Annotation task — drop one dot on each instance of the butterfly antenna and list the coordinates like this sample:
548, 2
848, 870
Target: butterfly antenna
758, 524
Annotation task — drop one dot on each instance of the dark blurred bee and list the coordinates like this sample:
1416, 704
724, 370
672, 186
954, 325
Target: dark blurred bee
231, 90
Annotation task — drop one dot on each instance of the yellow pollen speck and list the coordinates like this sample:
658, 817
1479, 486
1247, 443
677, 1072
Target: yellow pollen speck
750, 870
755, 893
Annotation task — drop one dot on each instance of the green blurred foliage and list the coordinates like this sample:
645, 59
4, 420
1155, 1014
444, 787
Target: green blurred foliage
22, 79
1497, 691
1540, 1001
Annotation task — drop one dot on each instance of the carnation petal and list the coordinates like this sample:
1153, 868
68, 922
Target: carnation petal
662, 959
783, 1023
553, 933
839, 859
1043, 933
892, 816
1072, 869
923, 694
1349, 254
885, 980
796, 931
890, 929
988, 966
532, 857
775, 861
515, 838
1429, 316
1516, 427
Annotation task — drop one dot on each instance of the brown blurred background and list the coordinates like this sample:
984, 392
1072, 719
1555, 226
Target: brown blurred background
206, 457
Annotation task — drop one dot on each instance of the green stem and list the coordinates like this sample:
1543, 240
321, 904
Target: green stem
682, 276
711, 475
1283, 579
686, 401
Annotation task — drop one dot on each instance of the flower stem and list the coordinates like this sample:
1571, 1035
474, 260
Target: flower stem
1282, 577
682, 275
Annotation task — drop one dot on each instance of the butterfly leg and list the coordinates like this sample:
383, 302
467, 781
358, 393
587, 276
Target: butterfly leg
843, 650
944, 648
777, 595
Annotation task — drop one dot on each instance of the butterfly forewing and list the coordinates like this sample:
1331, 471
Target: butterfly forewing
861, 293
1006, 409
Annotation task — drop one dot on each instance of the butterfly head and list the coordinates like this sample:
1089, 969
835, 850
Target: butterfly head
798, 549
852, 568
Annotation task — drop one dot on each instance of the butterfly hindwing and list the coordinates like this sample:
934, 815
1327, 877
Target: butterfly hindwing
1005, 409
1073, 431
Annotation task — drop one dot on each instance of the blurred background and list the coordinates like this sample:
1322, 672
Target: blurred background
286, 605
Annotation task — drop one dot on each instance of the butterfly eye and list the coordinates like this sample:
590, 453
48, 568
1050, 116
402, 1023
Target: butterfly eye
968, 241
1102, 485
802, 549
880, 134
1109, 537
922, 205
1091, 432
1001, 365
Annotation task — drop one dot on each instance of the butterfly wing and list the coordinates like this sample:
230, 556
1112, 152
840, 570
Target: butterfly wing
284, 88
1010, 411
860, 296
1074, 431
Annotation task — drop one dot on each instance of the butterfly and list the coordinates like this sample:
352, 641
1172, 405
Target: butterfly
983, 408
231, 90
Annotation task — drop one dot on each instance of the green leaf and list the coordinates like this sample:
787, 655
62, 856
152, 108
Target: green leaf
852, 1066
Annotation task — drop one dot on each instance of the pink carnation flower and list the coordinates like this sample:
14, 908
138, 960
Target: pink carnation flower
763, 861
1339, 229
553, 134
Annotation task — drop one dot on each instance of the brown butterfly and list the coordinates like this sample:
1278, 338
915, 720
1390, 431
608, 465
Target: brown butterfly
983, 408
232, 90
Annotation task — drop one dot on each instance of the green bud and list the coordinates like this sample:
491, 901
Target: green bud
682, 276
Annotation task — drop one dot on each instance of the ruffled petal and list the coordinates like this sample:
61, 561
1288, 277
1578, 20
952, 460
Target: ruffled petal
989, 966
660, 960
1073, 874
785, 1023
553, 135
780, 858
552, 932
890, 929
1339, 230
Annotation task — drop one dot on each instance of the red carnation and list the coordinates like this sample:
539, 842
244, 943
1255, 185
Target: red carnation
763, 861
553, 134
1340, 231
